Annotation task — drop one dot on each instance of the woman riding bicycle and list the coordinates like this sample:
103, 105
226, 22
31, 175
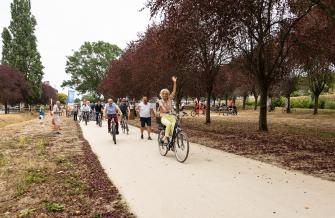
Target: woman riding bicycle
166, 108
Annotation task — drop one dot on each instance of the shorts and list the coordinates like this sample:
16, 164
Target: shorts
57, 120
145, 120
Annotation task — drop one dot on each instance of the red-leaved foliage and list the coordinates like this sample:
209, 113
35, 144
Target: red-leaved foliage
48, 92
13, 85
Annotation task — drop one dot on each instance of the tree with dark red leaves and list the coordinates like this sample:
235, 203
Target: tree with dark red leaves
146, 66
315, 51
264, 30
209, 38
48, 92
327, 6
13, 85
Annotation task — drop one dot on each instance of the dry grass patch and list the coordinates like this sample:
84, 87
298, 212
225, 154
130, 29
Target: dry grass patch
8, 119
48, 175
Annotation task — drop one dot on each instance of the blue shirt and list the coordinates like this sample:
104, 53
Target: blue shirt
111, 108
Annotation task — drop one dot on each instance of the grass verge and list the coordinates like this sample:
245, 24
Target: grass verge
48, 175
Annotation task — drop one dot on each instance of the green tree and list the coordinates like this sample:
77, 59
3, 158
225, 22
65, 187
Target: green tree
62, 98
88, 66
6, 41
77, 101
91, 98
21, 51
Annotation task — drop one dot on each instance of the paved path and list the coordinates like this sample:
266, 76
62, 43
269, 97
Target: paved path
210, 184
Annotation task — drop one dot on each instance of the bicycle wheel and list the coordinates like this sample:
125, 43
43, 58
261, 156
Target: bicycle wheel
86, 120
123, 126
126, 126
163, 150
100, 121
193, 113
181, 147
114, 132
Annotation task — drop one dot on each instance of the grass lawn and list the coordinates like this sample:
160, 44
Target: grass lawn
8, 119
47, 175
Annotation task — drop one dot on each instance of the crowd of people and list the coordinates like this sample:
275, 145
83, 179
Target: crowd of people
122, 108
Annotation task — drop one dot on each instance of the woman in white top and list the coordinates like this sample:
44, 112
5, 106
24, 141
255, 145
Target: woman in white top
166, 108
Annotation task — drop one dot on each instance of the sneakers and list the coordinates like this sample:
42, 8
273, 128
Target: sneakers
149, 138
142, 137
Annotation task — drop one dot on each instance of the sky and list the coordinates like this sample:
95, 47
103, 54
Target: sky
64, 25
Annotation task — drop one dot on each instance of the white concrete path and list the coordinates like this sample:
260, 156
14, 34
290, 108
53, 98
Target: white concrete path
210, 184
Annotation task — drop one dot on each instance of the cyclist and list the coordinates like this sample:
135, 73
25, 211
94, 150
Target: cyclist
124, 107
111, 111
165, 108
98, 110
86, 109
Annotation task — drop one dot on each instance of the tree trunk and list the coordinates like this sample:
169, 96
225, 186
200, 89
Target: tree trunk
288, 109
244, 101
208, 107
316, 104
178, 99
226, 98
6, 108
256, 101
263, 110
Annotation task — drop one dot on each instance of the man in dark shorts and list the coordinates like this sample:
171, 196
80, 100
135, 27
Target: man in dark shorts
145, 110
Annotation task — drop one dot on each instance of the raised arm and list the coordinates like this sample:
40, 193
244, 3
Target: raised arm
174, 80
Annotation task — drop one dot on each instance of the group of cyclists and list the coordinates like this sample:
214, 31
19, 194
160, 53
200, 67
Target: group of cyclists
109, 111
112, 110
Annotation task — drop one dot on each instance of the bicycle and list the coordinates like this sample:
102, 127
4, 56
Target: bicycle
92, 116
113, 130
124, 124
178, 142
229, 110
80, 117
198, 111
100, 119
86, 117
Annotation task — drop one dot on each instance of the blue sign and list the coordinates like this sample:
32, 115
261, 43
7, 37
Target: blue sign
70, 97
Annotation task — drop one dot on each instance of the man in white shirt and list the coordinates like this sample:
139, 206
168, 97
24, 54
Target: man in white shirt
145, 110
86, 110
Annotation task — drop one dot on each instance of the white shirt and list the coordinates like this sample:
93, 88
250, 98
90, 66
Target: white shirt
86, 108
144, 109
56, 111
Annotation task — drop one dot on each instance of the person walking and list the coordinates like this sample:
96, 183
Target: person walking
165, 108
145, 110
41, 113
111, 110
75, 112
56, 111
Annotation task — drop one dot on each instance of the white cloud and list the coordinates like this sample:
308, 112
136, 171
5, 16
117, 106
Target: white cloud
63, 26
